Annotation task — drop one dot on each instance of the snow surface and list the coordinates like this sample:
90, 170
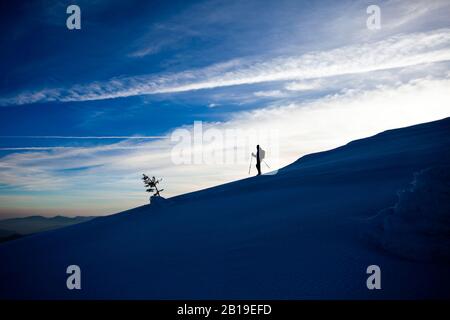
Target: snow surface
418, 226
300, 234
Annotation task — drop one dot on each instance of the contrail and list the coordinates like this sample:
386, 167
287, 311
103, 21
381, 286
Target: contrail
84, 137
33, 148
73, 148
77, 137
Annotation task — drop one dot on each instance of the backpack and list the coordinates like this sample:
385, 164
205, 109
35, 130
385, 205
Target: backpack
262, 154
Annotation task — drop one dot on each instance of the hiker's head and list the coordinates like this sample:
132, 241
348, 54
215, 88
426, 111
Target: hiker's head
257, 146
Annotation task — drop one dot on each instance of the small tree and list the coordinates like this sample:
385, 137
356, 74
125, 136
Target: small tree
150, 184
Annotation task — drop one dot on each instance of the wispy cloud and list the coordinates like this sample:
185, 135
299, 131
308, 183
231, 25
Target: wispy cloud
269, 93
86, 137
161, 36
400, 13
304, 85
395, 52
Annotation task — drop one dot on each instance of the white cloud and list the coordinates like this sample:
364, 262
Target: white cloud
149, 50
399, 13
269, 94
395, 52
304, 85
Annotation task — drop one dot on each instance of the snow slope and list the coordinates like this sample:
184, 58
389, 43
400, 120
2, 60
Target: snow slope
418, 225
299, 234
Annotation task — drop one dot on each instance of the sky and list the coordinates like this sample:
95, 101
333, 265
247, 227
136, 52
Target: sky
184, 90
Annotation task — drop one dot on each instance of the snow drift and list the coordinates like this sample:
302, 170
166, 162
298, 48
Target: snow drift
293, 235
418, 226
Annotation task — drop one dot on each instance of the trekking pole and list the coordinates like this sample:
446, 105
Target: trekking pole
250, 166
266, 164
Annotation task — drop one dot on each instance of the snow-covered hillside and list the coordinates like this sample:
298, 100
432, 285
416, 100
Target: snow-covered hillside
302, 233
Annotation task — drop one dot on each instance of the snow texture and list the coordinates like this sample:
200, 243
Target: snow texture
418, 226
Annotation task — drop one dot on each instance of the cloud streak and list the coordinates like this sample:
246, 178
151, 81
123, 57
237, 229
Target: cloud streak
84, 137
398, 51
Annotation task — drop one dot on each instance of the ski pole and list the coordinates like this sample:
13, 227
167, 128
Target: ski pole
250, 166
266, 164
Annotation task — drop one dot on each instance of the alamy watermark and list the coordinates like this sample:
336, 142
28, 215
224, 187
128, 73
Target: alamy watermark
74, 280
373, 22
73, 21
210, 145
374, 280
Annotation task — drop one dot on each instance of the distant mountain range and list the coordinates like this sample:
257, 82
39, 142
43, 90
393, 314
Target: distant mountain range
17, 227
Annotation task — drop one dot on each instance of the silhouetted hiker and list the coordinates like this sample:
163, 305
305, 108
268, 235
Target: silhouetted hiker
258, 159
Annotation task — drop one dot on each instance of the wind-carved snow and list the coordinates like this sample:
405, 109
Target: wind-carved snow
418, 226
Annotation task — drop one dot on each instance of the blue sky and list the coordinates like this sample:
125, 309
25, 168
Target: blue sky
72, 102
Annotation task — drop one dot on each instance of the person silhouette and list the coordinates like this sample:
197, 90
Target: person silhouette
258, 160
